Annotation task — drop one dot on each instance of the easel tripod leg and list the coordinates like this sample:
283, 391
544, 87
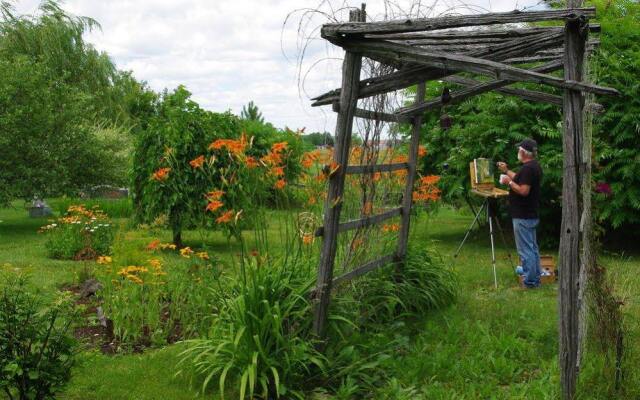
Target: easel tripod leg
470, 228
504, 242
493, 251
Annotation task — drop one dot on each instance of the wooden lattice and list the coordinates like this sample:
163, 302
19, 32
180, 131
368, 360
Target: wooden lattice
420, 50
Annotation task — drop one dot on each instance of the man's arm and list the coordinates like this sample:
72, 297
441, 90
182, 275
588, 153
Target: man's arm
504, 168
522, 190
525, 178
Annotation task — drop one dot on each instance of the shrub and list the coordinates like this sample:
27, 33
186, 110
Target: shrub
187, 152
80, 234
36, 349
260, 341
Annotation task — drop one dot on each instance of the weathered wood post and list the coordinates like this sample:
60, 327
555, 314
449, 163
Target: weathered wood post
407, 199
333, 204
570, 235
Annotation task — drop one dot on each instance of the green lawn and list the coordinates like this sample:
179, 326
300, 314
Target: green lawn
492, 344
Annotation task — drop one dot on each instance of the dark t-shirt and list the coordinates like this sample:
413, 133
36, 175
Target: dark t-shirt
526, 207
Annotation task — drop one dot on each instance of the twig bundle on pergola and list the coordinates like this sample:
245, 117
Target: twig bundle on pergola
420, 50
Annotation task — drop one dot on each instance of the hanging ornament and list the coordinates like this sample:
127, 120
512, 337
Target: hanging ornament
445, 121
445, 98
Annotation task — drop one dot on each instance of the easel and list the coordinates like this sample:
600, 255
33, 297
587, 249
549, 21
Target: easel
491, 194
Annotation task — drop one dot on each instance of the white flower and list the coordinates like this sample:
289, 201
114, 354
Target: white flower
54, 225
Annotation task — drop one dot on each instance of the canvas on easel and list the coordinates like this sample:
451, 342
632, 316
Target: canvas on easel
482, 180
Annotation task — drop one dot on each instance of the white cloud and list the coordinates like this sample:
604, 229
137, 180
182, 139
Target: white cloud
228, 52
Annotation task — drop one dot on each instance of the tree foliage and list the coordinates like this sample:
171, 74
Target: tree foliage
251, 112
181, 129
490, 125
65, 110
176, 163
616, 132
316, 139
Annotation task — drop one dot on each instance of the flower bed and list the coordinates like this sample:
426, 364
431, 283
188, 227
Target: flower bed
81, 234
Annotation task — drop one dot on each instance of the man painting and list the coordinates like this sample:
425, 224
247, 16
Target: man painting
524, 201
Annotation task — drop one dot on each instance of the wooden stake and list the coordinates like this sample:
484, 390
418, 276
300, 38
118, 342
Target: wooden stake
333, 204
570, 257
407, 198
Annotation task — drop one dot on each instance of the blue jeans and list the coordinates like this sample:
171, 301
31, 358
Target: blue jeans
525, 233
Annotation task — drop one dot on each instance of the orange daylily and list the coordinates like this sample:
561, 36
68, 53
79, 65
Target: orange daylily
161, 174
214, 195
279, 147
226, 217
251, 162
426, 189
197, 162
280, 184
214, 205
390, 227
277, 171
422, 151
235, 147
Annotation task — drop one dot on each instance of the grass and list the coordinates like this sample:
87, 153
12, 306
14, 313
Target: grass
492, 344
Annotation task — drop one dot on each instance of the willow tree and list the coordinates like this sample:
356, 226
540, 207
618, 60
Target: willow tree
61, 106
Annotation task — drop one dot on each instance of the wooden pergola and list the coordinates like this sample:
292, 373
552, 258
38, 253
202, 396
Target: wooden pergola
420, 50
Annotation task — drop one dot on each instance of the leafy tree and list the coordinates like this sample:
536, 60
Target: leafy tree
251, 112
318, 139
180, 132
180, 128
490, 125
616, 132
64, 108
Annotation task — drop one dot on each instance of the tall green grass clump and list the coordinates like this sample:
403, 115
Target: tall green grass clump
260, 341
422, 283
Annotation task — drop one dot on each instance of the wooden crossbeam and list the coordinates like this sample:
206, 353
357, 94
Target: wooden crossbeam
476, 65
476, 33
371, 169
380, 116
450, 42
457, 21
368, 267
416, 74
530, 95
364, 222
481, 87
531, 59
546, 55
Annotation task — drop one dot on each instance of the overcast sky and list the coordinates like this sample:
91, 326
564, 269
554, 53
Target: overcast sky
227, 52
